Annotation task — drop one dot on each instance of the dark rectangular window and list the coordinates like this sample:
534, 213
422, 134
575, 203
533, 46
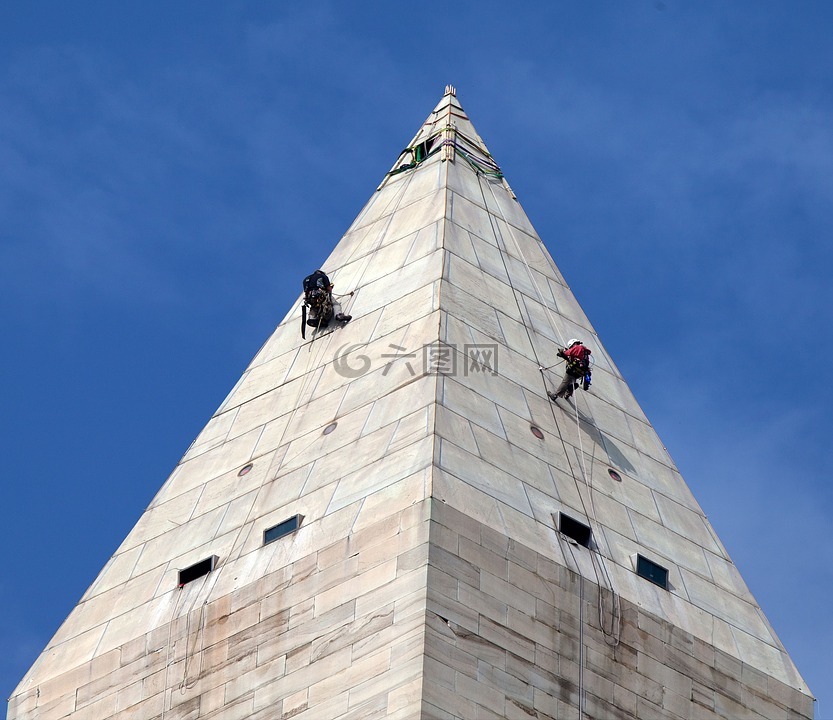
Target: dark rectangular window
648, 569
197, 570
288, 526
574, 529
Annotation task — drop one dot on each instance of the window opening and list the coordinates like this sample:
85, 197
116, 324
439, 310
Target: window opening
536, 431
650, 570
574, 529
245, 469
290, 525
615, 475
417, 154
197, 570
421, 151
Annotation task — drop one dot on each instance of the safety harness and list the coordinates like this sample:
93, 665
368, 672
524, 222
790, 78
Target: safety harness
578, 367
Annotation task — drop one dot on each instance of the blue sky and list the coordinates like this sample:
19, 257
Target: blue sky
168, 174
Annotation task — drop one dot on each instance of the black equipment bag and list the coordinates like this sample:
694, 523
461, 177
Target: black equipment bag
317, 298
318, 280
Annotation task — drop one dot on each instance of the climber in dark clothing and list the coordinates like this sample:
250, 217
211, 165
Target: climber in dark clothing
318, 297
577, 372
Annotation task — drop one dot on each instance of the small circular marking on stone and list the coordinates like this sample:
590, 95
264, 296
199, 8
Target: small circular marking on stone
245, 469
536, 431
329, 428
615, 475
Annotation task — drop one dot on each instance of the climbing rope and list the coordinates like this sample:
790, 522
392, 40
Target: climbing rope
581, 662
168, 652
581, 700
553, 324
296, 404
615, 609
502, 246
581, 650
174, 617
312, 364
506, 269
185, 684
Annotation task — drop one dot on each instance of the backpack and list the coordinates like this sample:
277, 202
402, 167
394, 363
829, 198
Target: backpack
317, 281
